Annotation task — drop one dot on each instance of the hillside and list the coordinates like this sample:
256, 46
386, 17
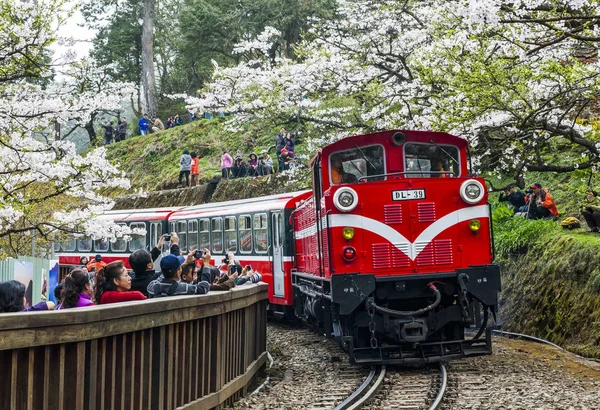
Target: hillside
152, 161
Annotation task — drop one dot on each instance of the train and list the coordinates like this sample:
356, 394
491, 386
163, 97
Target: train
390, 252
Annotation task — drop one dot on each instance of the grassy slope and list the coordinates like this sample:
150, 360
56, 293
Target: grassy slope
152, 161
550, 280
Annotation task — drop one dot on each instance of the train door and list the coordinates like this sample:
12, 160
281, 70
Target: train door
278, 272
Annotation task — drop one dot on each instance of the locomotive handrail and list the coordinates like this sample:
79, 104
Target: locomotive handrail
391, 174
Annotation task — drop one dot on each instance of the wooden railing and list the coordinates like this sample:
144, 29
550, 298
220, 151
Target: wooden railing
193, 352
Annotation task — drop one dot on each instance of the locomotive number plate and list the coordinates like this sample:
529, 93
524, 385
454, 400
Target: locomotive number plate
408, 194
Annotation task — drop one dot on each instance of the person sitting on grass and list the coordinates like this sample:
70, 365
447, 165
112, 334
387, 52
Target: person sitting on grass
513, 197
591, 211
541, 203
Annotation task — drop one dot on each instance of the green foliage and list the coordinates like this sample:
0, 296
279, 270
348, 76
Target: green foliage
515, 235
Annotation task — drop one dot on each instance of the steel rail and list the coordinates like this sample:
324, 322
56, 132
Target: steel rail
358, 398
443, 383
540, 340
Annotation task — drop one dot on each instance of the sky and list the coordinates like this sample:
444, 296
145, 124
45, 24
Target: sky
75, 29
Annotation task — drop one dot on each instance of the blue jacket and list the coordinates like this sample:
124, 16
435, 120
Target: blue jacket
143, 123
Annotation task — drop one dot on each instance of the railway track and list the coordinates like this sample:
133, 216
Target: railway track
399, 389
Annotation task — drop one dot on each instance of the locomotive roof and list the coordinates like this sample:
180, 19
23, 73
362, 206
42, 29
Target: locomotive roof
384, 137
250, 205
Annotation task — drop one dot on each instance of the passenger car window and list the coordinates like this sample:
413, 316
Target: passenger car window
204, 234
120, 245
347, 167
217, 234
100, 245
230, 234
193, 234
260, 233
84, 244
435, 161
245, 225
138, 241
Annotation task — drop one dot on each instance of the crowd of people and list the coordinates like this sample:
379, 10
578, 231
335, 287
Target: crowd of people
535, 203
98, 283
538, 203
118, 133
254, 166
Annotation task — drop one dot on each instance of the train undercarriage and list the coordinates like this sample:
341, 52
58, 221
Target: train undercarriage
404, 320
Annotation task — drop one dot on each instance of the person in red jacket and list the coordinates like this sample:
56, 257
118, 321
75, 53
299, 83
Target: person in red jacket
195, 172
541, 203
113, 285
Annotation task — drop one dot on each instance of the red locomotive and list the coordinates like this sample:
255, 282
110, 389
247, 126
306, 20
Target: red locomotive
390, 253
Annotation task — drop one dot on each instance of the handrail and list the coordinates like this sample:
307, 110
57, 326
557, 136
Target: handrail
391, 174
198, 351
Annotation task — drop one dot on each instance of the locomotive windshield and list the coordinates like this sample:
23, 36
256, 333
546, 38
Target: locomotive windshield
347, 167
432, 159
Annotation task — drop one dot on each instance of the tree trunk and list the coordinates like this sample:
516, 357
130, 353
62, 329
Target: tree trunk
89, 127
148, 81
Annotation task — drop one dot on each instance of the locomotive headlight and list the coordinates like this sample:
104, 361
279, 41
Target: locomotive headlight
348, 233
474, 225
345, 199
471, 191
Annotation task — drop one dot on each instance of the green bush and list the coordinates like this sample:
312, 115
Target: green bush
514, 234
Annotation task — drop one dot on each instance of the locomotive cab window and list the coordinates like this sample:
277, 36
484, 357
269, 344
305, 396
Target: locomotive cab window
347, 167
435, 161
155, 232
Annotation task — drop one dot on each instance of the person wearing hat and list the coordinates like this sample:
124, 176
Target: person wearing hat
157, 124
513, 197
96, 264
265, 163
169, 283
286, 159
253, 165
541, 203
239, 168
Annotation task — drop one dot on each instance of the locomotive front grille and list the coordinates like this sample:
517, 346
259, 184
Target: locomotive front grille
387, 256
426, 212
392, 214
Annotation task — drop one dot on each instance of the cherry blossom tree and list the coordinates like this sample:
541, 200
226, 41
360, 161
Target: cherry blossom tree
518, 79
48, 189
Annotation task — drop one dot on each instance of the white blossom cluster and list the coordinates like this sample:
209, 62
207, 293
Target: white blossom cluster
507, 75
38, 174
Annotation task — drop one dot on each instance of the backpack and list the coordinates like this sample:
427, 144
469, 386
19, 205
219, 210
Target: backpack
571, 223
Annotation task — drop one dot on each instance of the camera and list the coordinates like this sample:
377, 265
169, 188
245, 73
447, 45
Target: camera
529, 191
248, 268
198, 254
167, 238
